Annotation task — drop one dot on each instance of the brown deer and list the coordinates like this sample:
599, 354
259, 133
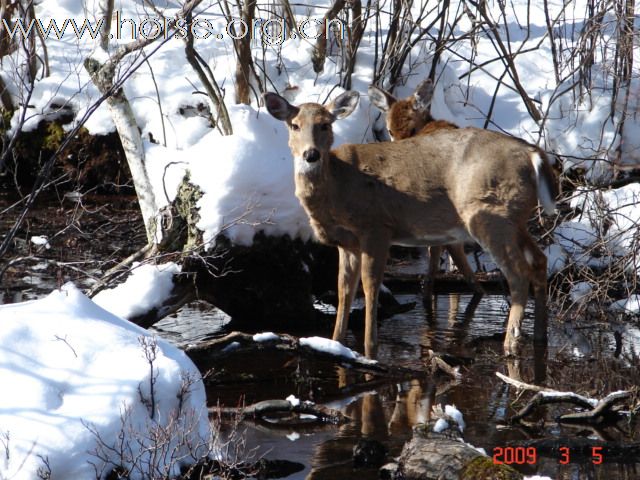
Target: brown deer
411, 116
407, 118
448, 187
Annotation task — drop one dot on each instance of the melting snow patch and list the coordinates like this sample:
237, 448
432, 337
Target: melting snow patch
231, 347
580, 291
41, 241
293, 400
441, 425
265, 337
455, 414
326, 345
591, 401
146, 288
333, 347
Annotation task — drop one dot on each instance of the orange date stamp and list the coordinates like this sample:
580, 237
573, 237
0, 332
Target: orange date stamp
529, 455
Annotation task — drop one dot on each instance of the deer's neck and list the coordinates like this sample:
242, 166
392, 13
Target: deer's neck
314, 189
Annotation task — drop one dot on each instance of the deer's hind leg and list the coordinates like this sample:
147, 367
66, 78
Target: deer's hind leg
537, 262
513, 251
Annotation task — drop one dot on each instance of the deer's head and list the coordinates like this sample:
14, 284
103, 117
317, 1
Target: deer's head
406, 117
310, 126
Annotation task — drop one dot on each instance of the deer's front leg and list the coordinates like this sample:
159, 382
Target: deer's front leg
348, 276
374, 259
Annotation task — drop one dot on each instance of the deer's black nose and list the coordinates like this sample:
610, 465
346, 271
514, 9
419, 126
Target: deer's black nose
311, 155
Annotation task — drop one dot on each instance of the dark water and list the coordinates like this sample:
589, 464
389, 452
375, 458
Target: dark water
579, 359
583, 357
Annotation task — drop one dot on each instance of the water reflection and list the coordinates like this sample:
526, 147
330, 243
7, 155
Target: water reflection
388, 411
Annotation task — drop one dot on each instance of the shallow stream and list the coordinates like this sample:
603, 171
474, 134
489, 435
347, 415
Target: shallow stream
579, 359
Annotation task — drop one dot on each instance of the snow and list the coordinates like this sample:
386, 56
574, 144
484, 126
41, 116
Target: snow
41, 240
455, 414
145, 288
591, 401
556, 258
251, 187
441, 425
231, 347
74, 375
630, 304
333, 347
326, 345
293, 436
580, 291
293, 400
265, 337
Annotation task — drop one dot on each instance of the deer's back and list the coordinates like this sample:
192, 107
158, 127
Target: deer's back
465, 165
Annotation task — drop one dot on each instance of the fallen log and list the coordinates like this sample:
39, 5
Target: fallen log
241, 344
266, 410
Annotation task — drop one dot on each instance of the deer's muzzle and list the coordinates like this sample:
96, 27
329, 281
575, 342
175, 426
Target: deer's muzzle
312, 155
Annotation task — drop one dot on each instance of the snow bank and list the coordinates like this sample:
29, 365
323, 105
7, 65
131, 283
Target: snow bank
73, 376
247, 180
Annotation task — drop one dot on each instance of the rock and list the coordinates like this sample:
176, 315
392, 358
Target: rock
430, 455
389, 471
369, 453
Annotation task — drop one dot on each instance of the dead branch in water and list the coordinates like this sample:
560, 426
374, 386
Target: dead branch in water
596, 411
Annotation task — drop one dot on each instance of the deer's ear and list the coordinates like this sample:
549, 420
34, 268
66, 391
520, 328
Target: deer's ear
278, 107
381, 98
423, 95
344, 104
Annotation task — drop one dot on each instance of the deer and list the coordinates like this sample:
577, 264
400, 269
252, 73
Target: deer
407, 118
452, 186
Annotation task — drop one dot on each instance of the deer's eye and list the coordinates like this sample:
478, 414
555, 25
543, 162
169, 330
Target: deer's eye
295, 127
324, 127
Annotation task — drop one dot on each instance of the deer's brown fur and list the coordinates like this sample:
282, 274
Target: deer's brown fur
407, 118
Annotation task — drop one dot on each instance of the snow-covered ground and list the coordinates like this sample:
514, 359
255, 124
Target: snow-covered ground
85, 391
